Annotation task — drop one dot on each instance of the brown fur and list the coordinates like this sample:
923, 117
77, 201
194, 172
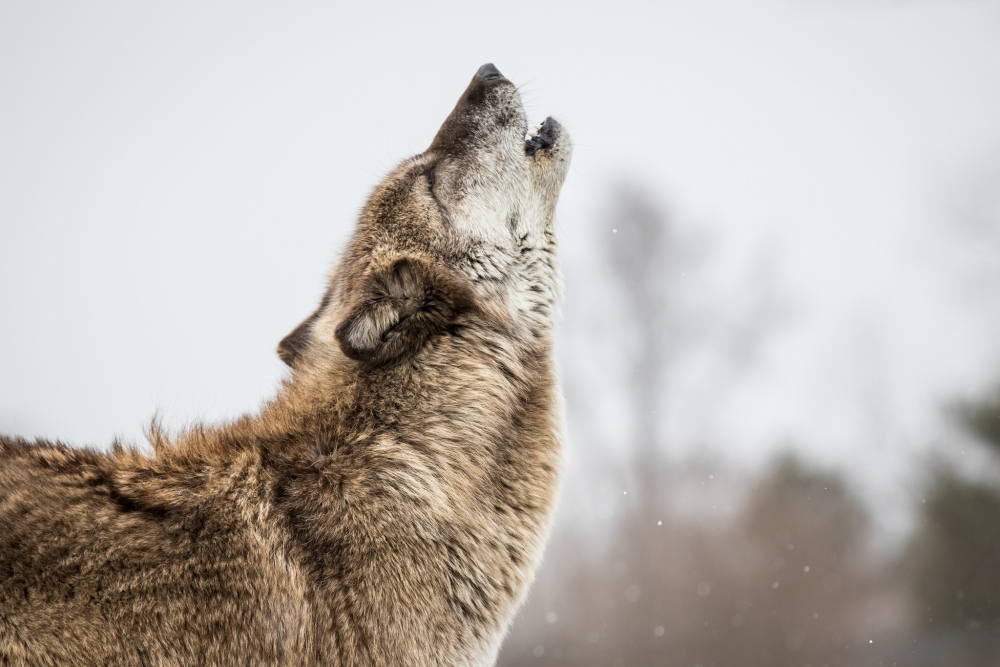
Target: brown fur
387, 507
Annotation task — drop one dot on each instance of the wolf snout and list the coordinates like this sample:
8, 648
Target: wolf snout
488, 90
489, 71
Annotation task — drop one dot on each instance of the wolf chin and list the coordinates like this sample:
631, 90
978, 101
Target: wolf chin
390, 504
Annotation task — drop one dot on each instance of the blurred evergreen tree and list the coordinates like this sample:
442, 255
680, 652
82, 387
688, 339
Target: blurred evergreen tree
954, 555
802, 570
982, 419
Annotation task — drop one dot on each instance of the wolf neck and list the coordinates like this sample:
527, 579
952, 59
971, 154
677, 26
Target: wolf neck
444, 462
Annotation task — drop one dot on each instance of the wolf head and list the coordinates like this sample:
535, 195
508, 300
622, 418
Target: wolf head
458, 232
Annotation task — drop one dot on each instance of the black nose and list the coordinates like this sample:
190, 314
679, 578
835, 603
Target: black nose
489, 71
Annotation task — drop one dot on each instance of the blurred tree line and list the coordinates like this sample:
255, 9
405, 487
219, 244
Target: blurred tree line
775, 568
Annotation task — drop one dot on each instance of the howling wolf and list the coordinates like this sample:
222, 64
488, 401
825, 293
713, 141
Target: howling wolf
390, 504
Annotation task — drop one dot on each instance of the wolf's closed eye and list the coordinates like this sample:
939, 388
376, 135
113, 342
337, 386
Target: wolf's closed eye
430, 178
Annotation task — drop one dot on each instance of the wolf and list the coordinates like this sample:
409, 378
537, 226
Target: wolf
389, 505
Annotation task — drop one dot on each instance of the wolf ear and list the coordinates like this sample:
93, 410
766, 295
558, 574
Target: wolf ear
399, 308
294, 344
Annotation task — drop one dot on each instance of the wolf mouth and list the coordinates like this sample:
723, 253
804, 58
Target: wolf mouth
541, 136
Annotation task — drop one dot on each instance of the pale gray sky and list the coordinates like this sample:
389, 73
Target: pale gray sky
176, 178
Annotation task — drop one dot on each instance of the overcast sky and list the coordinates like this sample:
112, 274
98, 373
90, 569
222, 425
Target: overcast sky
175, 180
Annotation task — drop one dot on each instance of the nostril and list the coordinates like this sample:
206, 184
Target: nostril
489, 71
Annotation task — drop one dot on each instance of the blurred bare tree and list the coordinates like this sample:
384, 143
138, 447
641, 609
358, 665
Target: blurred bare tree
647, 258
